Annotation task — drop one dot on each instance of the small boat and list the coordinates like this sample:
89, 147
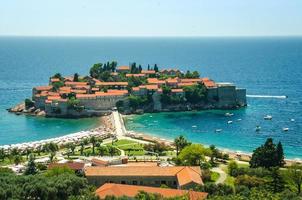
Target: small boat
292, 120
258, 128
285, 129
230, 122
239, 119
268, 117
218, 130
228, 114
194, 126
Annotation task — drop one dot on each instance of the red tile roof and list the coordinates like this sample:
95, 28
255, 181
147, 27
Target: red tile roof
135, 75
189, 80
79, 91
185, 84
148, 72
120, 190
112, 83
85, 96
155, 81
54, 80
43, 88
177, 90
72, 83
71, 165
151, 87
123, 68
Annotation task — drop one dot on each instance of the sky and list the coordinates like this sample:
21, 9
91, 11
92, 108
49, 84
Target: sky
151, 17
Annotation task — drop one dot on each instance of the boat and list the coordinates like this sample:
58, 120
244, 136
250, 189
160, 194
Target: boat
228, 114
239, 119
285, 129
258, 128
218, 130
194, 126
268, 117
292, 120
230, 122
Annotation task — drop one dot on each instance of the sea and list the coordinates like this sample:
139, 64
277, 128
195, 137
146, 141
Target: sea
270, 68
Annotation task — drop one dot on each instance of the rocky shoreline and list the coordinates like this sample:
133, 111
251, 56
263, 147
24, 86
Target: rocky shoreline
21, 109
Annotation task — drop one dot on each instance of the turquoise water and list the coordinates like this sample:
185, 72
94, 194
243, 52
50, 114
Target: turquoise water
265, 66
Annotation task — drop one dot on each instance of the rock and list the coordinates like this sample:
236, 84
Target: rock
41, 113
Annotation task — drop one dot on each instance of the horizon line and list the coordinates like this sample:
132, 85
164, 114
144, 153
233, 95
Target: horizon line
151, 36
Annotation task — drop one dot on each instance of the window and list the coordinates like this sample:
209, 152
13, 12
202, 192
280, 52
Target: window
141, 183
163, 182
134, 182
123, 182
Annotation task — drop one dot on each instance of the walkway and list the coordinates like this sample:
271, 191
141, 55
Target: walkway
222, 175
118, 124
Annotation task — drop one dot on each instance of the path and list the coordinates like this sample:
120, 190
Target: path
118, 124
222, 175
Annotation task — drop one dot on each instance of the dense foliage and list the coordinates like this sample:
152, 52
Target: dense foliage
268, 155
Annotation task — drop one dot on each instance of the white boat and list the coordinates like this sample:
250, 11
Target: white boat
258, 128
268, 117
230, 122
228, 114
218, 130
285, 129
194, 126
292, 120
239, 119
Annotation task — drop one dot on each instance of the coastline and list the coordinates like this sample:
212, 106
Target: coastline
103, 130
234, 154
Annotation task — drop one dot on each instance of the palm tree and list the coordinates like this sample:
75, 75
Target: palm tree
93, 141
180, 142
82, 148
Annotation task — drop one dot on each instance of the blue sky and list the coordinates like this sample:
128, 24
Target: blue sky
151, 17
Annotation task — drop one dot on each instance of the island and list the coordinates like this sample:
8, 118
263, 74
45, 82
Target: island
129, 89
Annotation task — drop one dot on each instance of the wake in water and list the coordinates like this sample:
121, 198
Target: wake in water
267, 96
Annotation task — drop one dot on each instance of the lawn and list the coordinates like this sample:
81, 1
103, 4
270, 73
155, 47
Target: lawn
130, 147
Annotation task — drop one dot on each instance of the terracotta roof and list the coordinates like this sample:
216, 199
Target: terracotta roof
70, 83
118, 91
120, 190
65, 88
85, 96
112, 83
177, 90
186, 84
79, 91
208, 83
95, 89
53, 94
99, 94
43, 88
135, 88
188, 175
71, 165
113, 73
97, 162
54, 80
155, 81
151, 87
135, 75
137, 171
172, 80
123, 68
53, 97
189, 80
148, 72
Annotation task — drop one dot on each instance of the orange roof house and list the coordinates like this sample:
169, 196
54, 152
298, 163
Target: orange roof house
123, 68
186, 84
155, 81
53, 80
177, 177
112, 84
208, 83
148, 72
43, 88
120, 190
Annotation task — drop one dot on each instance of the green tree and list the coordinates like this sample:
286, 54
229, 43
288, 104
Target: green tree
93, 141
180, 143
192, 155
17, 159
266, 155
280, 155
31, 168
82, 147
232, 167
57, 171
2, 154
155, 68
277, 183
295, 176
29, 103
76, 77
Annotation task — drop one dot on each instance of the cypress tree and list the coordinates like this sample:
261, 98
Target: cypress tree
31, 166
280, 155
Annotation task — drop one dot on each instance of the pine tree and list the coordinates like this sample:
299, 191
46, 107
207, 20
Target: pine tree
31, 166
277, 183
155, 68
140, 68
280, 155
148, 67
